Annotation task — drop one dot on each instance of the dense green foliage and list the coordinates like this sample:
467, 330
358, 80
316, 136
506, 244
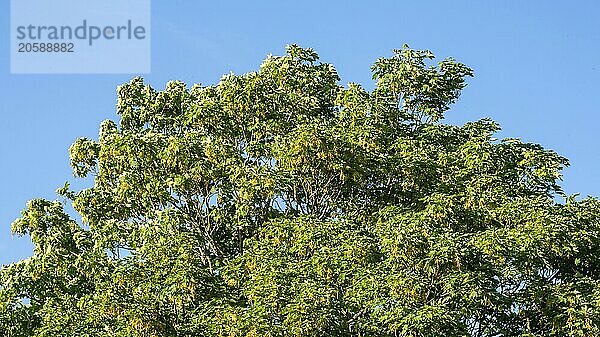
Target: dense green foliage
280, 203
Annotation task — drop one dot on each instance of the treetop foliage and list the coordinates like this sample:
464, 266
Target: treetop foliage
281, 203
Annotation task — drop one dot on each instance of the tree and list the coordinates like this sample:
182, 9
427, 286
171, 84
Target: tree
280, 203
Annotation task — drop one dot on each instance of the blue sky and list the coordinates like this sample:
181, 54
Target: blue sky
535, 62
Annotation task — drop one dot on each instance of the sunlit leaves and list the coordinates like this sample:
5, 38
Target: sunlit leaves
281, 203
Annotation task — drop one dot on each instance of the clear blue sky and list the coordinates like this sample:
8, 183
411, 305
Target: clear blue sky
536, 72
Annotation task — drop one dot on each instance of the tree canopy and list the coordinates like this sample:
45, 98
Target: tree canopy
282, 203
